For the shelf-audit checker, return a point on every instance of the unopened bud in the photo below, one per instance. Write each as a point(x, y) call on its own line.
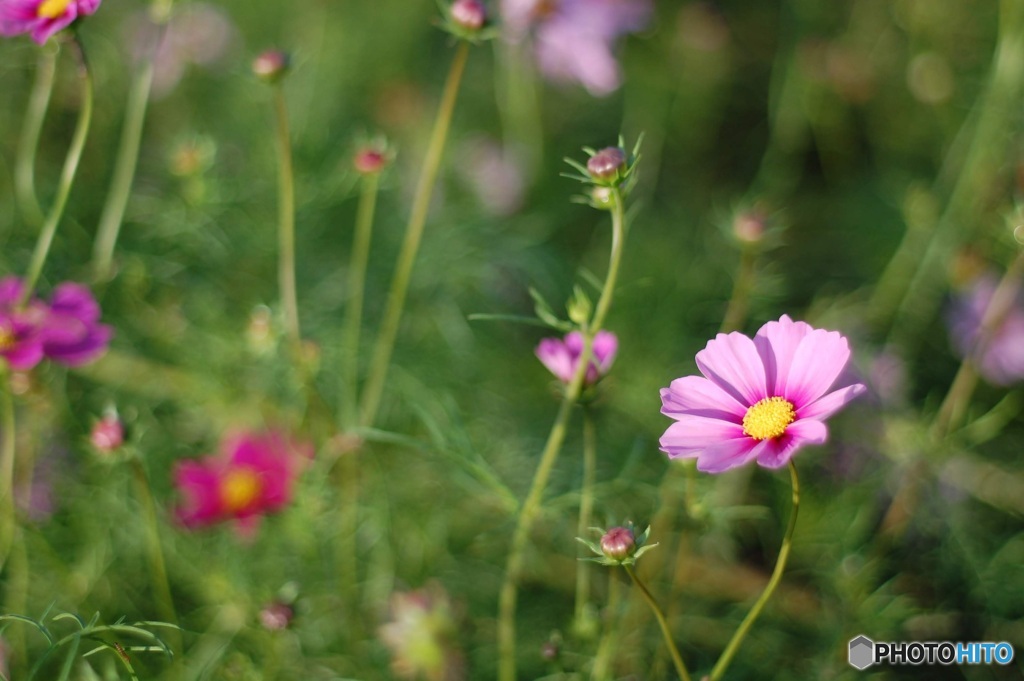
point(469, 15)
point(369, 160)
point(107, 434)
point(618, 543)
point(607, 163)
point(271, 66)
point(276, 616)
point(749, 227)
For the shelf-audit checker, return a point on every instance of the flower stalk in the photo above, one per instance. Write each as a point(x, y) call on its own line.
point(7, 450)
point(586, 511)
point(531, 506)
point(286, 223)
point(780, 566)
point(67, 176)
point(666, 632)
point(28, 144)
point(374, 389)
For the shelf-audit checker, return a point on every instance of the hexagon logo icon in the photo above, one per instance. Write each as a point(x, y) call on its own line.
point(862, 652)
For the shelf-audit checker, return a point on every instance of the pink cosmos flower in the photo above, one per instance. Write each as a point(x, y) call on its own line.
point(21, 338)
point(1001, 358)
point(759, 399)
point(561, 357)
point(252, 476)
point(41, 18)
point(574, 39)
point(71, 332)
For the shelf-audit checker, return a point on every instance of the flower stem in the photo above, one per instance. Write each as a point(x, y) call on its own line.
point(7, 450)
point(374, 388)
point(531, 506)
point(67, 175)
point(677, 659)
point(354, 310)
point(112, 216)
point(736, 311)
point(28, 144)
point(586, 509)
point(286, 224)
point(773, 582)
point(601, 669)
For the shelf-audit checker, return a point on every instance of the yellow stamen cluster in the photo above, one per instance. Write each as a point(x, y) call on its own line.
point(768, 418)
point(6, 339)
point(51, 9)
point(239, 488)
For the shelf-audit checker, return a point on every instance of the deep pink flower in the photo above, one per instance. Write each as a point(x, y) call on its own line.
point(21, 338)
point(41, 18)
point(575, 38)
point(252, 476)
point(758, 400)
point(72, 334)
point(1001, 358)
point(561, 357)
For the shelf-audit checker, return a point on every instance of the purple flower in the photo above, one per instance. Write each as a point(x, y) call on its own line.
point(21, 340)
point(561, 357)
point(72, 334)
point(759, 399)
point(574, 39)
point(1000, 360)
point(41, 18)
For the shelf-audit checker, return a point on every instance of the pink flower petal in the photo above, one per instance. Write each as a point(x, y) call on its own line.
point(780, 450)
point(733, 363)
point(729, 454)
point(777, 343)
point(817, 362)
point(698, 432)
point(825, 406)
point(700, 396)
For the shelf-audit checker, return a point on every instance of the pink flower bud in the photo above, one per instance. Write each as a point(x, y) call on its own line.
point(469, 14)
point(107, 434)
point(276, 616)
point(618, 543)
point(369, 160)
point(749, 227)
point(271, 65)
point(607, 163)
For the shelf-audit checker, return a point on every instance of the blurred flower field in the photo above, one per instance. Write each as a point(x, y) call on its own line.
point(515, 339)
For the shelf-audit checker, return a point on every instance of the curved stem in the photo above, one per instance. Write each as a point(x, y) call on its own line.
point(677, 659)
point(414, 232)
point(28, 144)
point(780, 567)
point(112, 216)
point(286, 224)
point(586, 509)
point(67, 176)
point(531, 506)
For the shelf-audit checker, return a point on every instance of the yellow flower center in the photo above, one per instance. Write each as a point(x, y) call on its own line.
point(6, 339)
point(239, 489)
point(51, 9)
point(768, 418)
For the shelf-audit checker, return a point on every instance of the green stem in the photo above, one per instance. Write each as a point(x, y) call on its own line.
point(67, 175)
point(7, 450)
point(356, 287)
point(531, 506)
point(374, 389)
point(736, 311)
point(112, 216)
point(586, 509)
point(780, 567)
point(28, 144)
point(677, 659)
point(348, 526)
point(286, 224)
point(601, 670)
point(157, 566)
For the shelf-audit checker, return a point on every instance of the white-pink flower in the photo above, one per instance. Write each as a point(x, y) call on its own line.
point(759, 399)
point(561, 357)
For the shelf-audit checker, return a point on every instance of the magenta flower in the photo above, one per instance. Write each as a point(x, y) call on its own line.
point(1000, 360)
point(41, 18)
point(72, 334)
point(252, 476)
point(21, 338)
point(758, 400)
point(561, 357)
point(575, 39)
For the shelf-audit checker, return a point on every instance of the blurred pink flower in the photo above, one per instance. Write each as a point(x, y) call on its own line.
point(253, 475)
point(759, 399)
point(421, 636)
point(1000, 360)
point(574, 39)
point(561, 357)
point(21, 337)
point(71, 332)
point(41, 18)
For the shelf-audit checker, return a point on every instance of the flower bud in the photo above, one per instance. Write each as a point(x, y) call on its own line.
point(369, 160)
point(618, 543)
point(468, 15)
point(107, 434)
point(276, 616)
point(749, 227)
point(271, 66)
point(607, 163)
point(550, 650)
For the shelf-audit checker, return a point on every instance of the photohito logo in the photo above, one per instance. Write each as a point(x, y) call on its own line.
point(864, 652)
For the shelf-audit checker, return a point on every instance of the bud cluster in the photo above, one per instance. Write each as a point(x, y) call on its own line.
point(618, 545)
point(609, 172)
